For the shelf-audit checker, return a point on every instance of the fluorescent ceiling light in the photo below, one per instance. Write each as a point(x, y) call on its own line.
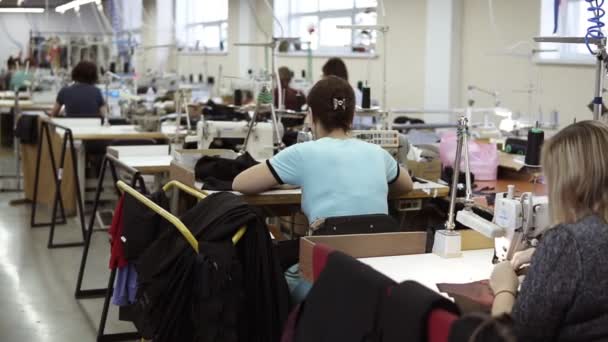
point(75, 5)
point(21, 10)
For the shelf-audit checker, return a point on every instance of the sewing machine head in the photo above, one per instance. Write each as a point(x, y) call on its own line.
point(523, 219)
point(518, 222)
point(232, 135)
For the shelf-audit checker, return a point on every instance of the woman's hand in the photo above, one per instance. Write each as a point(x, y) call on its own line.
point(521, 258)
point(504, 278)
point(504, 283)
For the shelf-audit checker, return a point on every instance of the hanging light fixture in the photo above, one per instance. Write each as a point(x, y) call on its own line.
point(75, 5)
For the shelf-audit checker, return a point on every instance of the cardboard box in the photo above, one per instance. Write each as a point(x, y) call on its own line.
point(429, 170)
point(362, 246)
point(380, 245)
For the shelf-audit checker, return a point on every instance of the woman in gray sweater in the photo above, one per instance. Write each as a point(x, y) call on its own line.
point(564, 296)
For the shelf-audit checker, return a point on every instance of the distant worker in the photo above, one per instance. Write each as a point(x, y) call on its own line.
point(82, 99)
point(336, 67)
point(293, 99)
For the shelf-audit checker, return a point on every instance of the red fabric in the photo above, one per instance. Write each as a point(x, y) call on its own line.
point(320, 253)
point(289, 332)
point(117, 254)
point(440, 322)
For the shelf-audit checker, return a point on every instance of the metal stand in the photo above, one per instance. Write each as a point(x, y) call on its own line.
point(106, 292)
point(17, 176)
point(462, 143)
point(68, 142)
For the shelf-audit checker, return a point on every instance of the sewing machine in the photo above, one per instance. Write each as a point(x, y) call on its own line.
point(517, 223)
point(232, 135)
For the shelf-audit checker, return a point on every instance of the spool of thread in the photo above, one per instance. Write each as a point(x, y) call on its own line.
point(536, 137)
point(191, 78)
point(238, 97)
point(366, 101)
point(360, 85)
point(200, 78)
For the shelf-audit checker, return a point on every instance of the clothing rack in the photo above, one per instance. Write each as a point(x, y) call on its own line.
point(67, 142)
point(136, 179)
point(177, 223)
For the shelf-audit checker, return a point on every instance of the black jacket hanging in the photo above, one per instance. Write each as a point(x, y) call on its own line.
point(180, 290)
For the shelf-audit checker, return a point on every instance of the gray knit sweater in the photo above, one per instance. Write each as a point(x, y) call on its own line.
point(565, 295)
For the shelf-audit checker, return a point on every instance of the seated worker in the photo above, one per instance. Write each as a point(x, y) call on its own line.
point(293, 99)
point(564, 296)
point(339, 175)
point(336, 67)
point(82, 99)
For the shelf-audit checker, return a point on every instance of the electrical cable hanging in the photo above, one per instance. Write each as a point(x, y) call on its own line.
point(275, 17)
point(595, 29)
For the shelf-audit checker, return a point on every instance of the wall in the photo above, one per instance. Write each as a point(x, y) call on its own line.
point(405, 62)
point(405, 81)
point(567, 89)
point(18, 27)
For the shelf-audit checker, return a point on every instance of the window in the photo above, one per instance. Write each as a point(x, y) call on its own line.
point(573, 22)
point(316, 21)
point(202, 25)
point(127, 20)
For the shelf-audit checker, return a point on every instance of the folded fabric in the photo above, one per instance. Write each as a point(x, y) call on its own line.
point(218, 173)
point(478, 292)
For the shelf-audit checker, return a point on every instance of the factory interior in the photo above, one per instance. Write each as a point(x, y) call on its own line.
point(303, 170)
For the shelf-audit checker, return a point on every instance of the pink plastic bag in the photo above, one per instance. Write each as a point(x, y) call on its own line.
point(483, 158)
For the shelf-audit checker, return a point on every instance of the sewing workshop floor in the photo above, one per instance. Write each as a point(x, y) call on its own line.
point(37, 284)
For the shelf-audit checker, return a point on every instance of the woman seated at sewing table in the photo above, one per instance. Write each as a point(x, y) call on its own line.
point(82, 99)
point(339, 175)
point(565, 294)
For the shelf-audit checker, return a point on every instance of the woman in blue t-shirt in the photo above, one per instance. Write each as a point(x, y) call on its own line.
point(82, 99)
point(339, 175)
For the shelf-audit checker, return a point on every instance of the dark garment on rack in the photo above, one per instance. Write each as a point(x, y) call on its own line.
point(218, 173)
point(405, 315)
point(344, 303)
point(27, 129)
point(141, 225)
point(168, 302)
point(81, 100)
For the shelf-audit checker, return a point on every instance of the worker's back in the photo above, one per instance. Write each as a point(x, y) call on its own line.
point(339, 177)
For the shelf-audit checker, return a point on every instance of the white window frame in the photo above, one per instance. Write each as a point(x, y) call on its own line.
point(202, 49)
point(569, 26)
point(324, 51)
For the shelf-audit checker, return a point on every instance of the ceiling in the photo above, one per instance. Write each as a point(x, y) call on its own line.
point(33, 3)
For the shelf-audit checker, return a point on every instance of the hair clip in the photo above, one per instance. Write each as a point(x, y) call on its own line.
point(339, 103)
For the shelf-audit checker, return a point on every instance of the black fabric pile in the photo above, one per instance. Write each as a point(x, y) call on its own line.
point(27, 129)
point(218, 173)
point(223, 293)
point(219, 112)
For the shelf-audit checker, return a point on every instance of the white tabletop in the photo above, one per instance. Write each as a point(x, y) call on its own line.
point(430, 269)
point(139, 150)
point(147, 161)
point(142, 156)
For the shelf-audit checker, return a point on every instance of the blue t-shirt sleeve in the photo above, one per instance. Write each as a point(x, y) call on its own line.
point(286, 165)
point(391, 166)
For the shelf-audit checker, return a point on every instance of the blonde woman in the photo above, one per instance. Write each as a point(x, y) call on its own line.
point(565, 294)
